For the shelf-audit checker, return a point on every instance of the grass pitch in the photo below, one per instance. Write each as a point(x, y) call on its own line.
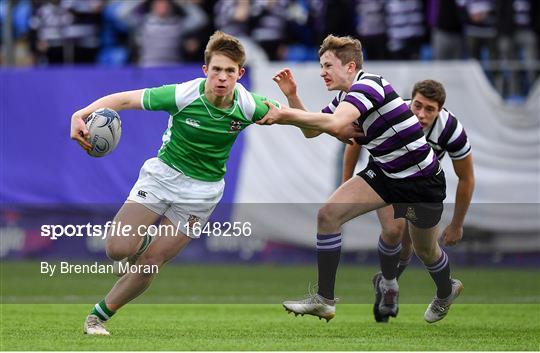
point(498, 310)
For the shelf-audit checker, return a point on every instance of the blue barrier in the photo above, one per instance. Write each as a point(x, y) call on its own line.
point(41, 165)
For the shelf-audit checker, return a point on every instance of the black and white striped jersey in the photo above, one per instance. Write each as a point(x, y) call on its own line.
point(393, 135)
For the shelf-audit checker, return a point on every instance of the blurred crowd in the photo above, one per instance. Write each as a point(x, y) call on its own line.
point(166, 32)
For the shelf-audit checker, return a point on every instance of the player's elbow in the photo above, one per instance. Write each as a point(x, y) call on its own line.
point(129, 99)
point(336, 129)
point(470, 182)
point(310, 133)
point(467, 179)
point(466, 183)
point(332, 129)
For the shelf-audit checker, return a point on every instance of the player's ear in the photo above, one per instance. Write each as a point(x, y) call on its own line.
point(241, 72)
point(352, 66)
point(205, 70)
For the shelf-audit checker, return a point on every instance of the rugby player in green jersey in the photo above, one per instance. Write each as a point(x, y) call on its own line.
point(183, 184)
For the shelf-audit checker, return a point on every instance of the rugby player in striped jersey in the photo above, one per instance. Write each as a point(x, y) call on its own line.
point(403, 172)
point(445, 134)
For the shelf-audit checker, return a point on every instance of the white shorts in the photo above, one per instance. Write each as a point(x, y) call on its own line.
point(182, 199)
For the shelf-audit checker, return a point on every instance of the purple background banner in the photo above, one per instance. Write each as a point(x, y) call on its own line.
point(40, 164)
point(45, 178)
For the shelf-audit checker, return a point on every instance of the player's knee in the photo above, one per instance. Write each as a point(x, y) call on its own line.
point(427, 254)
point(116, 251)
point(393, 234)
point(327, 217)
point(151, 260)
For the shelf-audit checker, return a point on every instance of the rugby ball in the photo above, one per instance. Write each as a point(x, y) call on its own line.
point(104, 127)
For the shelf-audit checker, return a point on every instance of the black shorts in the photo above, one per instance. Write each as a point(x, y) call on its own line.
point(419, 200)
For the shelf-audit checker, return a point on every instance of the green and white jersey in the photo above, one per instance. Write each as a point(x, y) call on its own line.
point(200, 136)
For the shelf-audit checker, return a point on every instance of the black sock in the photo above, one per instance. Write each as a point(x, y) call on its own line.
point(389, 259)
point(328, 253)
point(440, 272)
point(403, 263)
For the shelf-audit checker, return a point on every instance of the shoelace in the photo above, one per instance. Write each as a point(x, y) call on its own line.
point(390, 296)
point(94, 321)
point(440, 305)
point(313, 297)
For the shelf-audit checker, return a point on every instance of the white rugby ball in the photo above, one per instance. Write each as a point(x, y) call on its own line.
point(105, 128)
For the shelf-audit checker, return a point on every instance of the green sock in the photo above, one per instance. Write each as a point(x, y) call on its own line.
point(101, 311)
point(145, 243)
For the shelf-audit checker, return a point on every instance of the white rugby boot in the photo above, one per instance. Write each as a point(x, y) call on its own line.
point(94, 326)
point(314, 304)
point(438, 308)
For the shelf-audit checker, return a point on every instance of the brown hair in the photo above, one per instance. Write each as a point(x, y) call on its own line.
point(430, 89)
point(225, 44)
point(346, 49)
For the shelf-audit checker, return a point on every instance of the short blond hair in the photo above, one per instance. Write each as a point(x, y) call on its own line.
point(225, 44)
point(346, 49)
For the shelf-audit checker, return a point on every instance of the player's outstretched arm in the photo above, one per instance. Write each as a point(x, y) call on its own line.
point(339, 124)
point(286, 83)
point(350, 158)
point(117, 101)
point(464, 170)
